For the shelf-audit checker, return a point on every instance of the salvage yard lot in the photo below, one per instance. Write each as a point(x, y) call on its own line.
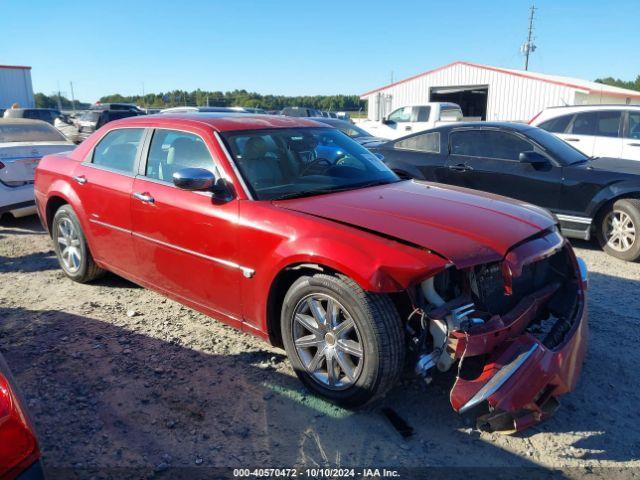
point(117, 376)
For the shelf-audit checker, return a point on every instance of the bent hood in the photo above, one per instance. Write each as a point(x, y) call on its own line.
point(465, 226)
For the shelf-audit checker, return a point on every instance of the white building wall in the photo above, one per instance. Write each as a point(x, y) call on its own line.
point(510, 97)
point(15, 87)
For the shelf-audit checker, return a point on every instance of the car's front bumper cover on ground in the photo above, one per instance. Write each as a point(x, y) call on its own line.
point(521, 377)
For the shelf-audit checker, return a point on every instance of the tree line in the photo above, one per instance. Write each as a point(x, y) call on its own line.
point(616, 82)
point(235, 98)
point(242, 98)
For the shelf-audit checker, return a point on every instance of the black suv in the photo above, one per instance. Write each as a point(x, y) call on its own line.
point(590, 196)
point(45, 114)
point(92, 120)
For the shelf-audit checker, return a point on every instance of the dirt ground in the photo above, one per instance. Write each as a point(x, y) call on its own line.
point(116, 376)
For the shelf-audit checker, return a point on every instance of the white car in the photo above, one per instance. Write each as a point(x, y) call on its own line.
point(22, 144)
point(595, 130)
point(411, 119)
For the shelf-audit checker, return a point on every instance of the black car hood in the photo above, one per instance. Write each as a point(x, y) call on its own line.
point(617, 165)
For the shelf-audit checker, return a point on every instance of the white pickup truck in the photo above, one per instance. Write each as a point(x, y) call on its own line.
point(411, 119)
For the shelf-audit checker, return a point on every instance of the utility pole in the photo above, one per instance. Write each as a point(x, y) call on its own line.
point(528, 47)
point(59, 101)
point(73, 101)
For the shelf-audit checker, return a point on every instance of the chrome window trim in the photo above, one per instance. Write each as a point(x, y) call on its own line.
point(234, 167)
point(88, 159)
point(246, 271)
point(145, 159)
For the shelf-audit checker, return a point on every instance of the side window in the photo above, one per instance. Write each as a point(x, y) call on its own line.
point(423, 114)
point(427, 142)
point(608, 124)
point(633, 128)
point(468, 143)
point(585, 123)
point(401, 115)
point(117, 150)
point(556, 125)
point(172, 150)
point(506, 146)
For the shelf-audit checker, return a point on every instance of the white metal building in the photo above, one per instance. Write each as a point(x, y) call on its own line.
point(15, 86)
point(492, 93)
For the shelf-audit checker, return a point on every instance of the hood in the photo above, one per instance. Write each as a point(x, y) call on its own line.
point(464, 226)
point(617, 165)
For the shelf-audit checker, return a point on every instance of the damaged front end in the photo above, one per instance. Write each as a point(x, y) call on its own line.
point(516, 329)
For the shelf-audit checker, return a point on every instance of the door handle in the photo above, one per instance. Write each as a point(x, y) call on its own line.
point(572, 139)
point(634, 144)
point(143, 197)
point(460, 167)
point(81, 179)
point(407, 128)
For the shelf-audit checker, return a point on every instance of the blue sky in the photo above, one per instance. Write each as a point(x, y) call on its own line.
point(302, 47)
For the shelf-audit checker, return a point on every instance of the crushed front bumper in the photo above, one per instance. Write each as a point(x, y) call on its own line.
point(521, 378)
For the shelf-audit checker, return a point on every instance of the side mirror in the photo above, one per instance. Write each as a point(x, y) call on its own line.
point(194, 179)
point(385, 120)
point(533, 158)
point(200, 179)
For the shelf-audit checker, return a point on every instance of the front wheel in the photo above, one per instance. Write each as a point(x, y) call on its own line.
point(618, 230)
point(344, 344)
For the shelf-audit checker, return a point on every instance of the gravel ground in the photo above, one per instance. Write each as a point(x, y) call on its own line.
point(116, 376)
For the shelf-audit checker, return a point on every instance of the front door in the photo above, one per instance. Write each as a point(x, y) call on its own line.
point(631, 136)
point(581, 132)
point(185, 241)
point(488, 160)
point(103, 183)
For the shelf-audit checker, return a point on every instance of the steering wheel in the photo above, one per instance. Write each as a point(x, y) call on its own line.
point(313, 163)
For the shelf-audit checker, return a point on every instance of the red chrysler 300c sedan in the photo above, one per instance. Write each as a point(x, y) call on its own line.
point(288, 229)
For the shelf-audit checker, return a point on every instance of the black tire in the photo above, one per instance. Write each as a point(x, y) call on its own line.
point(630, 207)
point(87, 269)
point(379, 329)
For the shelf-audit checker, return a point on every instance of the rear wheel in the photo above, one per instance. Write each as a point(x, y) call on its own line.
point(344, 343)
point(618, 230)
point(71, 247)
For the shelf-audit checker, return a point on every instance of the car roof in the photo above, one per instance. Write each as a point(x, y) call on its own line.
point(22, 121)
point(220, 122)
point(331, 121)
point(606, 106)
point(521, 127)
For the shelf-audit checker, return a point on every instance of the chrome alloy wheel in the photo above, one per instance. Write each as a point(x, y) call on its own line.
point(327, 341)
point(69, 245)
point(620, 231)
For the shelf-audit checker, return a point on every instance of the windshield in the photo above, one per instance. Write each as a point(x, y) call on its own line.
point(31, 132)
point(90, 116)
point(561, 150)
point(298, 162)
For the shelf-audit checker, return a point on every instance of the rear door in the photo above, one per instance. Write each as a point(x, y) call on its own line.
point(581, 132)
point(488, 160)
point(418, 156)
point(104, 182)
point(185, 241)
point(631, 136)
point(608, 135)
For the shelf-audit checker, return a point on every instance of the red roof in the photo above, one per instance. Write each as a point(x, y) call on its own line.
point(221, 122)
point(15, 67)
point(516, 73)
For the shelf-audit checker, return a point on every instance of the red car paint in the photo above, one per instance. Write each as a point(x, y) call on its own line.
point(223, 260)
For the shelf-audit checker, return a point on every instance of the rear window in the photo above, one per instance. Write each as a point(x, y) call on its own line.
point(557, 125)
point(29, 133)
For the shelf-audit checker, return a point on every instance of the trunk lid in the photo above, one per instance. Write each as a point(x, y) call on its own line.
point(20, 159)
